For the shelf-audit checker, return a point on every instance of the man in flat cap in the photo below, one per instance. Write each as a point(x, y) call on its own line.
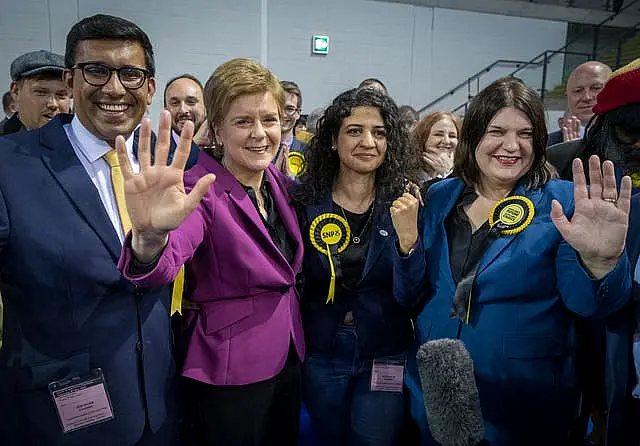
point(38, 89)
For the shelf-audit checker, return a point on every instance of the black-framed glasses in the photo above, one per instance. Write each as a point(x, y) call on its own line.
point(98, 74)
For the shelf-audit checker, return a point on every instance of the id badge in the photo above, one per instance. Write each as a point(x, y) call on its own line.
point(387, 376)
point(636, 362)
point(81, 401)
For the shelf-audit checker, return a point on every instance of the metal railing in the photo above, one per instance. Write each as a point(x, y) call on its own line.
point(474, 80)
point(541, 60)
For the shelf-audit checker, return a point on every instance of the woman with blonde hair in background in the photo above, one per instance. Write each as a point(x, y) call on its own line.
point(436, 136)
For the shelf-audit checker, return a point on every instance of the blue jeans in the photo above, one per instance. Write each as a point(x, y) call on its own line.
point(341, 405)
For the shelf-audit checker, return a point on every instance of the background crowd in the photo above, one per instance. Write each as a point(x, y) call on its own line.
point(209, 282)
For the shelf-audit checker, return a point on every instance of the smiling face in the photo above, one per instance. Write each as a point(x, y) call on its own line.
point(505, 153)
point(291, 112)
point(583, 87)
point(250, 134)
point(442, 137)
point(40, 99)
point(112, 109)
point(362, 141)
point(184, 101)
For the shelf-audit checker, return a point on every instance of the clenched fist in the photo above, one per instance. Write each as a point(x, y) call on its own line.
point(404, 214)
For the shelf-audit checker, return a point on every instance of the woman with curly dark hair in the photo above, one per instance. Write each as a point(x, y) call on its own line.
point(358, 335)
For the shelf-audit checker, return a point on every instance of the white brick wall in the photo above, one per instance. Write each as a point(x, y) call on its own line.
point(419, 52)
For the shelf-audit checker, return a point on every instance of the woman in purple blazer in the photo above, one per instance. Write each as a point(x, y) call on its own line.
point(239, 238)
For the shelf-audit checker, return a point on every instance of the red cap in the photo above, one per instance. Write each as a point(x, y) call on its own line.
point(622, 88)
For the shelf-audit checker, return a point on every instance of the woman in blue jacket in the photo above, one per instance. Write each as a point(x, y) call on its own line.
point(505, 269)
point(357, 334)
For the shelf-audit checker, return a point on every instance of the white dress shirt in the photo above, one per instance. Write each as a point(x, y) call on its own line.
point(90, 149)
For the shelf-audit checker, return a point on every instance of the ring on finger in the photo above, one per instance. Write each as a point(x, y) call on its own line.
point(611, 200)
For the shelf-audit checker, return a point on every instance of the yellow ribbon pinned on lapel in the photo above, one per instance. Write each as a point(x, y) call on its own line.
point(176, 295)
point(330, 235)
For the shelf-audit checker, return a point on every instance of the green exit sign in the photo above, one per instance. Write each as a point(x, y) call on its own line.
point(320, 45)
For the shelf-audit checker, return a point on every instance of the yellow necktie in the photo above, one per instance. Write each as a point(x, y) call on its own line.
point(117, 181)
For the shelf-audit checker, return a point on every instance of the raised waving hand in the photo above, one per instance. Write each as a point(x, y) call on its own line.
point(156, 197)
point(598, 227)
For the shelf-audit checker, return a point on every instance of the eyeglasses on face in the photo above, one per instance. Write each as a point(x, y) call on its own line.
point(98, 74)
point(290, 110)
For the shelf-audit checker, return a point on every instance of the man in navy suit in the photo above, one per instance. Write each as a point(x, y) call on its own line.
point(86, 356)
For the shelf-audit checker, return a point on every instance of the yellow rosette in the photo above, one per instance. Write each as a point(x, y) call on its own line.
point(296, 163)
point(511, 215)
point(330, 235)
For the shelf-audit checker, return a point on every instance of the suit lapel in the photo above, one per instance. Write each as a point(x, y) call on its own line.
point(445, 208)
point(287, 214)
point(382, 235)
point(499, 245)
point(238, 196)
point(66, 168)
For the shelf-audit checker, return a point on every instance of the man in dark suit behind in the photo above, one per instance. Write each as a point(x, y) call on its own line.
point(70, 318)
point(583, 85)
point(290, 156)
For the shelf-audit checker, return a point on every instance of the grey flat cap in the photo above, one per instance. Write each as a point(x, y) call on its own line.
point(36, 62)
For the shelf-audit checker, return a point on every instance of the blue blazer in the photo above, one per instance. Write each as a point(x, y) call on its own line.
point(67, 309)
point(619, 371)
point(521, 336)
point(384, 326)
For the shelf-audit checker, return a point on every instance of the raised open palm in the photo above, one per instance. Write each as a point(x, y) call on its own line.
point(156, 198)
point(598, 228)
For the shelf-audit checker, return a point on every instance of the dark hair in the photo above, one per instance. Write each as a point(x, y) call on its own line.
point(107, 27)
point(610, 136)
point(312, 119)
point(293, 88)
point(504, 92)
point(191, 77)
point(408, 114)
point(372, 80)
point(323, 164)
point(7, 100)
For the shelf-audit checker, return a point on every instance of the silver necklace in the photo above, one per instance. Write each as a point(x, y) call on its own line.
point(356, 239)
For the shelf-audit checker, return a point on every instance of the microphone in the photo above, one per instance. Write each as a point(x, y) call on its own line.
point(450, 393)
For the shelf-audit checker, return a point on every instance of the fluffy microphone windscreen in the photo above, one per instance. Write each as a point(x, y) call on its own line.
point(450, 393)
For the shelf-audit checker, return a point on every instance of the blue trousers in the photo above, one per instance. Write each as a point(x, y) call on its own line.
point(344, 411)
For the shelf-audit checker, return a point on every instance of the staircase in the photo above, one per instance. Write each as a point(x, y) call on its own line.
point(627, 51)
point(551, 64)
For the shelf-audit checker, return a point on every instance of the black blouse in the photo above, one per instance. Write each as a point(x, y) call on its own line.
point(353, 258)
point(278, 232)
point(465, 246)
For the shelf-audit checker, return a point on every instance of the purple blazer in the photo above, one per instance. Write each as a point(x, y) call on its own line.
point(249, 310)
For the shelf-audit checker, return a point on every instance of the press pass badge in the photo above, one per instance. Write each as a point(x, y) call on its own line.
point(330, 235)
point(81, 401)
point(387, 376)
point(296, 163)
point(510, 216)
